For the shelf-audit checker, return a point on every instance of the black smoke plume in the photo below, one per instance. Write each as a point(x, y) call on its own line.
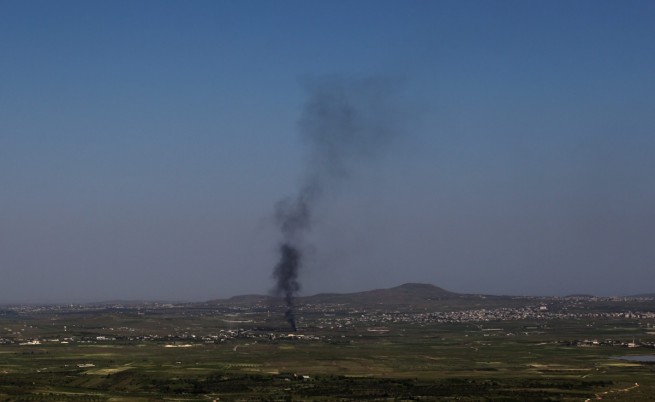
point(343, 122)
point(286, 272)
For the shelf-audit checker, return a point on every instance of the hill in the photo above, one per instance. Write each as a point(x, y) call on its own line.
point(407, 296)
point(409, 293)
point(245, 300)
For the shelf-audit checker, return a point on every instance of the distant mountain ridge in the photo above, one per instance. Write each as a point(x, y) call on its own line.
point(408, 293)
point(644, 295)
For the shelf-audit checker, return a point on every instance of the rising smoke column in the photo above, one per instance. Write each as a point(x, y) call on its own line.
point(344, 122)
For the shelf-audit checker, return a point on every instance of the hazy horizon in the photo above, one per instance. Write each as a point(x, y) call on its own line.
point(145, 145)
point(272, 294)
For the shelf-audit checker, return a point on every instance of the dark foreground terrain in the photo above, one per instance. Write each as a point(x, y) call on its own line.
point(414, 342)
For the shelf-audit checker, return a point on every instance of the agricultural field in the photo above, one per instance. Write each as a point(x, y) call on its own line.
point(529, 350)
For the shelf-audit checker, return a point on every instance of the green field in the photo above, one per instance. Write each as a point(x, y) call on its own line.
point(201, 353)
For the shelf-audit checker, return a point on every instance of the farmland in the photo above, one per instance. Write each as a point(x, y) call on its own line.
point(446, 349)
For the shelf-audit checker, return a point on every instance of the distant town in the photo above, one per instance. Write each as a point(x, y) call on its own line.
point(318, 321)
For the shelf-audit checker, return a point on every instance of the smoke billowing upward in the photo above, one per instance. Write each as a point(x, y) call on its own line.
point(344, 122)
point(286, 272)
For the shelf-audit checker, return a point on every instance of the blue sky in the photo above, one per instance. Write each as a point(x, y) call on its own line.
point(143, 146)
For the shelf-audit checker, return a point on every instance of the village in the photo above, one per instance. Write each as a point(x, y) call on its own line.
point(317, 322)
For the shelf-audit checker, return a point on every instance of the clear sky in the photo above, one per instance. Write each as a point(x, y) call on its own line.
point(144, 145)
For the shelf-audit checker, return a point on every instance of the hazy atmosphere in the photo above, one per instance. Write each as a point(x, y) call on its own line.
point(161, 149)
